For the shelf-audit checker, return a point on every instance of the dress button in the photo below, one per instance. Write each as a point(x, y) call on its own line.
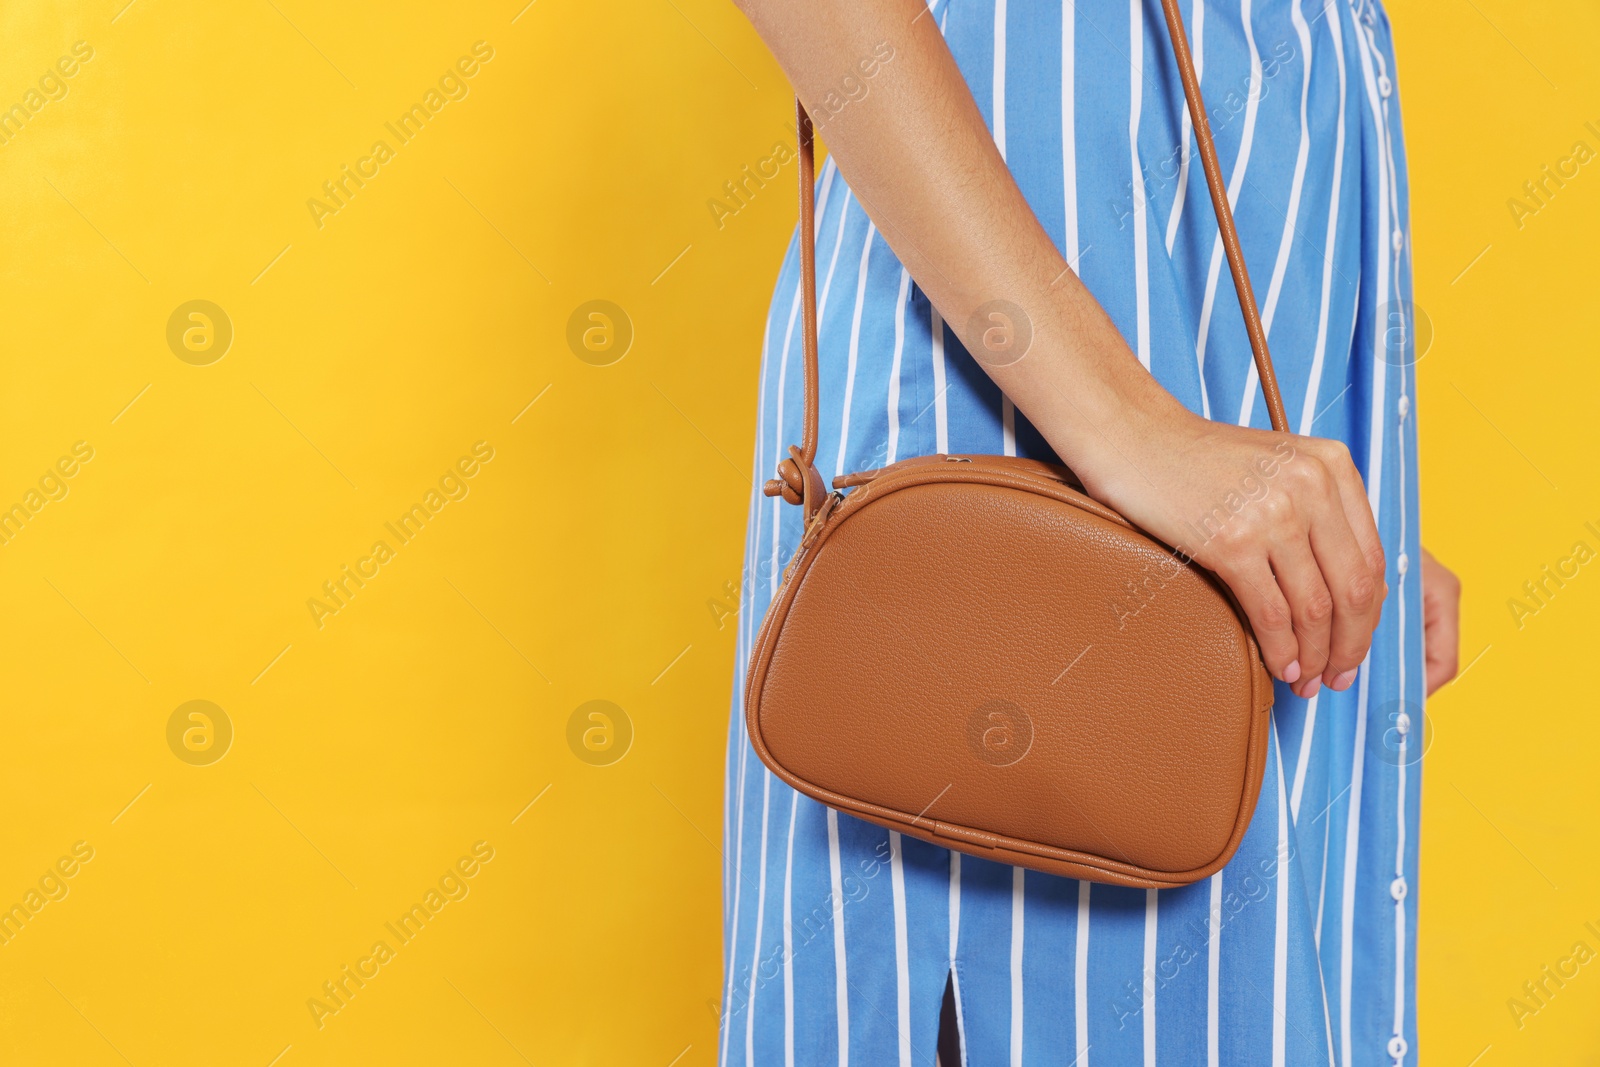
point(1405, 406)
point(1397, 239)
point(1397, 889)
point(1385, 86)
point(1402, 724)
point(1398, 1047)
point(1403, 563)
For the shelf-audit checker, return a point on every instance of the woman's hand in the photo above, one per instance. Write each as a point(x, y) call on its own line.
point(1282, 519)
point(1441, 621)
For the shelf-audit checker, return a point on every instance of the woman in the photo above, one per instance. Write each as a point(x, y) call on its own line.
point(1041, 154)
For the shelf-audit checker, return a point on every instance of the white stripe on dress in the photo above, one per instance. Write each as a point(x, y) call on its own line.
point(1149, 977)
point(1330, 241)
point(893, 446)
point(955, 939)
point(1322, 882)
point(1069, 135)
point(1379, 364)
point(1214, 973)
point(998, 86)
point(855, 350)
point(1008, 410)
point(941, 416)
point(1352, 840)
point(841, 979)
point(788, 936)
point(1017, 927)
point(1080, 977)
point(1070, 248)
point(761, 911)
point(1197, 50)
point(1141, 237)
point(1286, 240)
point(828, 172)
point(1307, 734)
point(1322, 987)
point(902, 951)
point(1280, 939)
point(1235, 180)
point(833, 262)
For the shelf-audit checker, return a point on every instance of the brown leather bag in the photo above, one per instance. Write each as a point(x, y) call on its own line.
point(969, 650)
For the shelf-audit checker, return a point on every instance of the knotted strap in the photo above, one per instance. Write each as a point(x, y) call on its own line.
point(798, 481)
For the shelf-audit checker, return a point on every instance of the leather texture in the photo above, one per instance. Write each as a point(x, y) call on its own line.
point(970, 650)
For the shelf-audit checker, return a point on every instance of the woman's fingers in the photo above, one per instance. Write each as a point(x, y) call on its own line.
point(1441, 615)
point(1311, 606)
point(1354, 593)
point(1308, 571)
point(1253, 584)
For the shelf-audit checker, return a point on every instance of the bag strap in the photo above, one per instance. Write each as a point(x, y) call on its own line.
point(798, 481)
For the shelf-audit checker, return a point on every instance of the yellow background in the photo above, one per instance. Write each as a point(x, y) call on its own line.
point(426, 315)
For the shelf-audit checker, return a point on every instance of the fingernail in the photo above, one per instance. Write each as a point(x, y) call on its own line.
point(1310, 689)
point(1342, 682)
point(1291, 673)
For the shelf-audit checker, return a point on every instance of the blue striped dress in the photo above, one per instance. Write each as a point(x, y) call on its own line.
point(840, 936)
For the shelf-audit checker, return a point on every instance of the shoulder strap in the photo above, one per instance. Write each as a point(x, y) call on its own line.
point(798, 481)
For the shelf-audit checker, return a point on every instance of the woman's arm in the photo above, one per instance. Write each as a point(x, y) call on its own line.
point(1303, 557)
